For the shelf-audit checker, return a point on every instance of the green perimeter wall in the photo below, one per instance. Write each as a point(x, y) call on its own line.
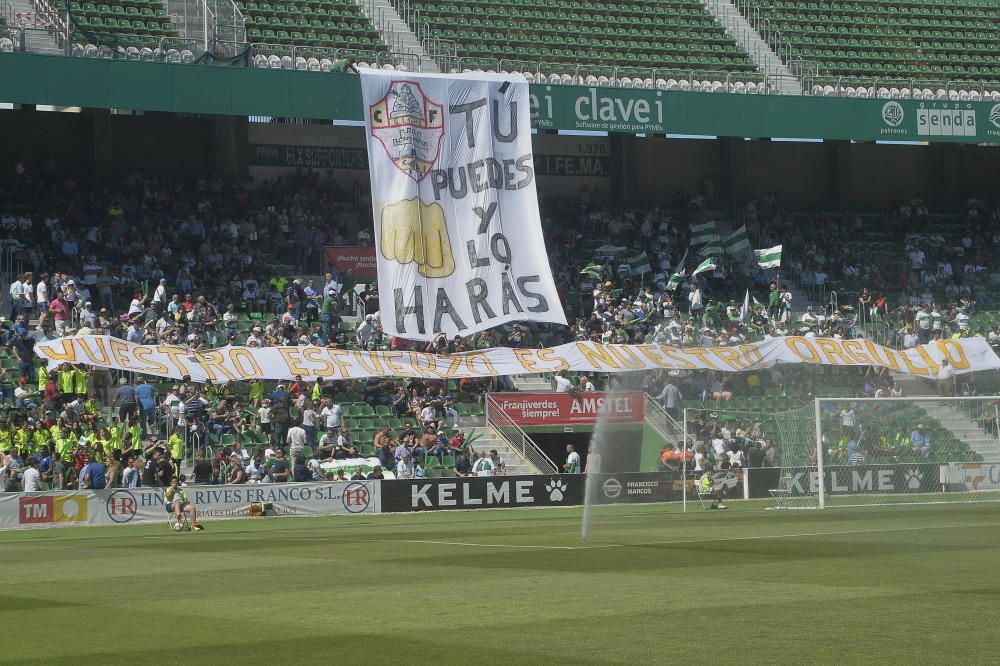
point(115, 84)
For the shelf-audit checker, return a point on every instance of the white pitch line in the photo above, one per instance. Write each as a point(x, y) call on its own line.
point(761, 537)
point(492, 545)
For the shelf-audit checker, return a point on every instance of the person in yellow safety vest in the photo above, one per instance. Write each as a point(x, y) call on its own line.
point(80, 381)
point(175, 500)
point(21, 438)
point(317, 390)
point(43, 378)
point(136, 432)
point(707, 486)
point(256, 392)
point(65, 380)
point(91, 407)
point(115, 430)
point(100, 440)
point(40, 436)
point(64, 447)
point(176, 445)
point(902, 441)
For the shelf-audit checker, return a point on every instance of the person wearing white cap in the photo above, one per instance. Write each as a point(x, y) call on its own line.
point(160, 293)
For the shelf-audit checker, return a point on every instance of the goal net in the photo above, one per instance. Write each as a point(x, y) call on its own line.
point(904, 450)
point(866, 451)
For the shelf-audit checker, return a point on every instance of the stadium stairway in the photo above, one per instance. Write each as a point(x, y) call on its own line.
point(532, 383)
point(396, 33)
point(40, 41)
point(730, 18)
point(960, 424)
point(490, 439)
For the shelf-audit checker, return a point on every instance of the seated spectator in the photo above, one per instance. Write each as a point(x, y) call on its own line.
point(300, 471)
point(345, 446)
point(920, 442)
point(279, 471)
point(463, 466)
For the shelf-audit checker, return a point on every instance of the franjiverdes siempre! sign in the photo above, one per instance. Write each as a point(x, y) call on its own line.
point(571, 408)
point(458, 236)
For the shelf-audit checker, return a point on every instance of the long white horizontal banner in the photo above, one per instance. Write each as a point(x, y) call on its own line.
point(130, 505)
point(241, 363)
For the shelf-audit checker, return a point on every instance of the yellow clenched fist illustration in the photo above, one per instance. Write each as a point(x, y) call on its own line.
point(414, 231)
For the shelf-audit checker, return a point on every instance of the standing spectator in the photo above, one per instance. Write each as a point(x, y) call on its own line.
point(946, 379)
point(145, 395)
point(572, 465)
point(125, 400)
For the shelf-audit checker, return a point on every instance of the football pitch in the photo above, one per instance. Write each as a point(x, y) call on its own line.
point(900, 584)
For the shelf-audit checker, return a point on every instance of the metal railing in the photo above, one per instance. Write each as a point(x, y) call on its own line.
point(516, 438)
point(662, 422)
point(310, 58)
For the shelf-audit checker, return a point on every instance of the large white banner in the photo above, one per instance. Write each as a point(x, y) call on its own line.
point(457, 231)
point(973, 476)
point(133, 505)
point(242, 363)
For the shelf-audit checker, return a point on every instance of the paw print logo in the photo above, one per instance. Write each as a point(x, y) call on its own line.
point(913, 477)
point(556, 490)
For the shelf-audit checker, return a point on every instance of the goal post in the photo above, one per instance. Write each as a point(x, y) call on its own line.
point(921, 449)
point(845, 451)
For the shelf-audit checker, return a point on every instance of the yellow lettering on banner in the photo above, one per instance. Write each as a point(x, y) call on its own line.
point(961, 362)
point(68, 353)
point(548, 355)
point(424, 370)
point(120, 351)
point(293, 360)
point(795, 345)
point(873, 352)
point(649, 351)
point(212, 361)
point(671, 353)
point(931, 363)
point(855, 350)
point(315, 355)
point(627, 357)
point(454, 363)
point(472, 358)
point(375, 368)
point(833, 351)
point(752, 355)
point(730, 357)
point(153, 367)
point(701, 353)
point(597, 356)
point(389, 358)
point(102, 359)
point(174, 355)
point(914, 370)
point(338, 356)
point(523, 357)
point(245, 363)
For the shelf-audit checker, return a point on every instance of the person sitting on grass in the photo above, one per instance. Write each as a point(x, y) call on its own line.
point(176, 501)
point(708, 486)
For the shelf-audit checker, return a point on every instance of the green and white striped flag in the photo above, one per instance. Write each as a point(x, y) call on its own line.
point(640, 264)
point(664, 235)
point(675, 280)
point(737, 241)
point(593, 270)
point(712, 248)
point(769, 258)
point(707, 265)
point(703, 233)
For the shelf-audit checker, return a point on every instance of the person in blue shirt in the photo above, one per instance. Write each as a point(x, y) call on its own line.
point(92, 475)
point(145, 395)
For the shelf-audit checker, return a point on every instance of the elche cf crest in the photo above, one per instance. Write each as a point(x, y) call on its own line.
point(409, 126)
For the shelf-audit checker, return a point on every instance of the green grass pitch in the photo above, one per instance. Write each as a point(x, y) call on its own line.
point(900, 584)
